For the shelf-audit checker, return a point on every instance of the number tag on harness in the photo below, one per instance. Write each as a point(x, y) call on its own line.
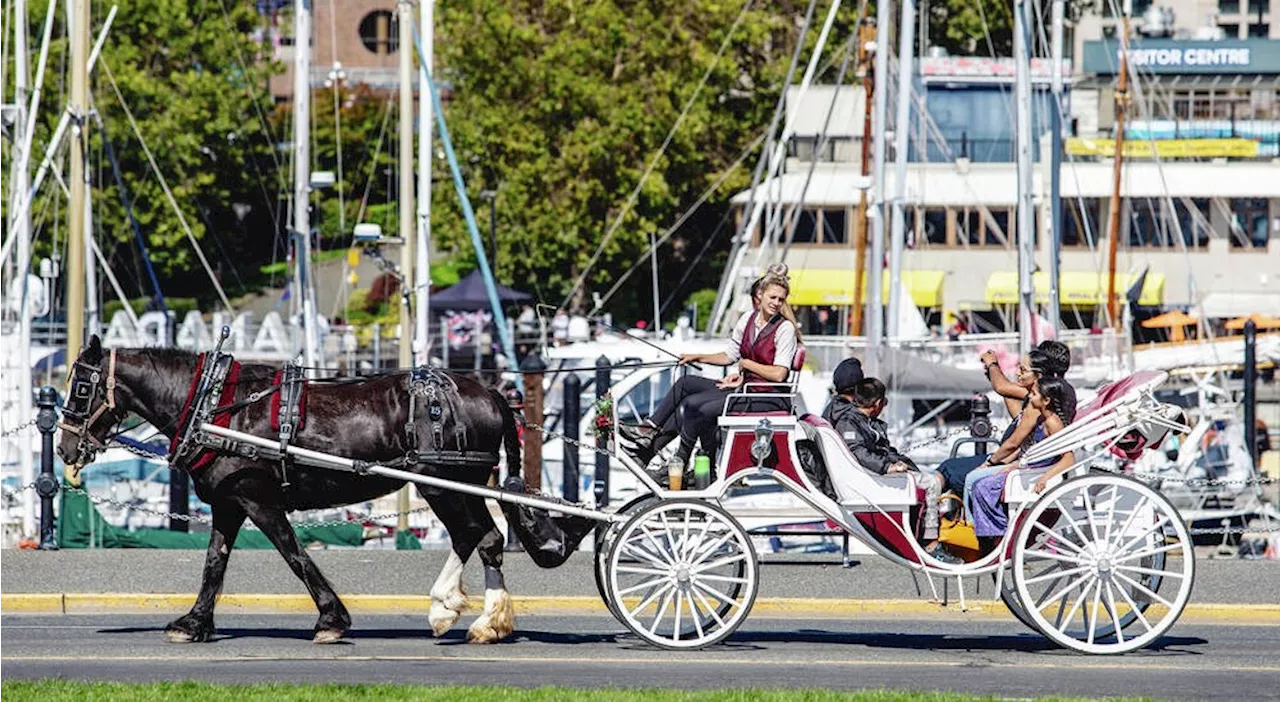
point(435, 411)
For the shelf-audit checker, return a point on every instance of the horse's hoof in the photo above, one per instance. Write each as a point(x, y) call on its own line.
point(328, 636)
point(179, 637)
point(482, 633)
point(441, 619)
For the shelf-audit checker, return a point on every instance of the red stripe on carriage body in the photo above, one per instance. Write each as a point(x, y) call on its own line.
point(740, 456)
point(275, 403)
point(888, 531)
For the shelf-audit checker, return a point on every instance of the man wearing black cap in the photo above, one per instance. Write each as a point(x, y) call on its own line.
point(855, 414)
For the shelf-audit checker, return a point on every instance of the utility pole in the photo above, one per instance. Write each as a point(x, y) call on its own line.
point(1055, 168)
point(866, 46)
point(422, 334)
point(20, 229)
point(408, 233)
point(901, 142)
point(304, 295)
point(78, 181)
point(875, 315)
point(1026, 216)
point(1113, 230)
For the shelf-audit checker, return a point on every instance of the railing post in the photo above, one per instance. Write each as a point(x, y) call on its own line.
point(603, 373)
point(533, 368)
point(572, 419)
point(46, 483)
point(1251, 391)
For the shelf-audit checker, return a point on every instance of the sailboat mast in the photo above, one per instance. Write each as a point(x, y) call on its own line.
point(304, 296)
point(901, 135)
point(1113, 231)
point(407, 228)
point(866, 39)
point(875, 316)
point(1026, 218)
point(422, 332)
point(75, 305)
point(1055, 167)
point(21, 231)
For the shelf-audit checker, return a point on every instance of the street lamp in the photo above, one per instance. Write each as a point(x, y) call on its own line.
point(492, 197)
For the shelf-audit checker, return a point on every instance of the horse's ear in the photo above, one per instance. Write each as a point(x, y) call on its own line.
point(93, 349)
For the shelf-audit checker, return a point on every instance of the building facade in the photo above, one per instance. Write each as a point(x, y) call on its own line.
point(1199, 198)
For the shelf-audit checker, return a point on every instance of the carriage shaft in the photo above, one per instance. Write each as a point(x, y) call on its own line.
point(320, 459)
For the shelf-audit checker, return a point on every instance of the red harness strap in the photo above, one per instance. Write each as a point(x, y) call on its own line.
point(222, 419)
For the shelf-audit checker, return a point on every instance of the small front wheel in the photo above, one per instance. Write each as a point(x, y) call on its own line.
point(682, 574)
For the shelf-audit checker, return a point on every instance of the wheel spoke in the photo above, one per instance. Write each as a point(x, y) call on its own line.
point(1088, 512)
point(648, 600)
point(648, 583)
point(696, 614)
point(1111, 511)
point(1150, 552)
point(1115, 616)
point(693, 544)
point(1084, 594)
point(657, 547)
point(642, 571)
point(714, 592)
point(1145, 532)
point(1063, 574)
point(1059, 538)
point(723, 578)
point(642, 553)
point(1062, 593)
point(1133, 513)
point(706, 603)
point(1066, 514)
point(1145, 590)
point(708, 550)
point(1093, 617)
point(720, 563)
point(662, 611)
point(1151, 571)
point(1054, 556)
point(675, 626)
point(1135, 608)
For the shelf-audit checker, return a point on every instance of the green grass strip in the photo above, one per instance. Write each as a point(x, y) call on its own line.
point(58, 690)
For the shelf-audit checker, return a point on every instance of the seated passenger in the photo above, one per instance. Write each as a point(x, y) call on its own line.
point(763, 346)
point(1052, 402)
point(1051, 360)
point(855, 412)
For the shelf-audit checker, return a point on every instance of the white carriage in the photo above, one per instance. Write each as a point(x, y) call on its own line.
point(1098, 563)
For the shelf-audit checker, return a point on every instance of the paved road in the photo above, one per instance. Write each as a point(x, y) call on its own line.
point(1194, 662)
point(412, 572)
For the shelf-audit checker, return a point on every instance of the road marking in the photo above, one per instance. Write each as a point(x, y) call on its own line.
point(685, 660)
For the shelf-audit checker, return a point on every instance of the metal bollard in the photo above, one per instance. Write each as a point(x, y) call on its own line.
point(1251, 391)
point(603, 372)
point(46, 484)
point(572, 419)
point(533, 367)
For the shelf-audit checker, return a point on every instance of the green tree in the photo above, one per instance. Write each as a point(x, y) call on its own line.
point(194, 74)
point(559, 106)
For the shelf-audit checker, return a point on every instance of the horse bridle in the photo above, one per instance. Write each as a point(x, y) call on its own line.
point(79, 406)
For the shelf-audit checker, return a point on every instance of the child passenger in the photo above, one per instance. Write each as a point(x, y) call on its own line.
point(855, 412)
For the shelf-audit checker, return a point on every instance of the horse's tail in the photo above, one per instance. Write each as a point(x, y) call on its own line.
point(548, 540)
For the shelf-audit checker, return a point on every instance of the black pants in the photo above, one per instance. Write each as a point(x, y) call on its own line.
point(700, 403)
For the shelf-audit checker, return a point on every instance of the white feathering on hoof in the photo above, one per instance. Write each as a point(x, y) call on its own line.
point(175, 636)
point(327, 636)
point(447, 598)
point(497, 621)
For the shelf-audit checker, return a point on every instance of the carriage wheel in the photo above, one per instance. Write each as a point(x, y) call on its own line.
point(606, 534)
point(682, 574)
point(1009, 596)
point(1091, 558)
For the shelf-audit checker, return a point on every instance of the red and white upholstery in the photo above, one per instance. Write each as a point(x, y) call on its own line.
point(859, 489)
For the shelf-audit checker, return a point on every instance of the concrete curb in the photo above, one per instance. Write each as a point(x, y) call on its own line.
point(136, 603)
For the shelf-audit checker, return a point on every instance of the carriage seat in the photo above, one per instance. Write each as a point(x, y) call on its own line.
point(785, 390)
point(859, 489)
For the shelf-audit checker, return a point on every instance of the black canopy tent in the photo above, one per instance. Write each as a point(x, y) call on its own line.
point(469, 294)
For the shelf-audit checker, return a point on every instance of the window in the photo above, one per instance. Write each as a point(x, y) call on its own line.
point(1248, 222)
point(969, 227)
point(379, 32)
point(1080, 221)
point(835, 228)
point(997, 228)
point(1257, 7)
point(1228, 7)
point(1231, 30)
point(1193, 222)
point(1145, 225)
point(1260, 30)
point(805, 230)
point(935, 227)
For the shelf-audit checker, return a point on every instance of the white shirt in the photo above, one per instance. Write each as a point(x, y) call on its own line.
point(784, 341)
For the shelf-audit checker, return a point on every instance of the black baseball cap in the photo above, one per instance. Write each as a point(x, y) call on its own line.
point(847, 374)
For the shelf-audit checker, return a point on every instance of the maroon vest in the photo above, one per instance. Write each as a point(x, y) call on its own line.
point(759, 347)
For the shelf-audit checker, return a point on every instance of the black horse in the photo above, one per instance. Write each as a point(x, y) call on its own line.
point(361, 419)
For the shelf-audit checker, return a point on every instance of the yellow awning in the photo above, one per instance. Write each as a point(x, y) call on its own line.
point(816, 286)
point(1080, 288)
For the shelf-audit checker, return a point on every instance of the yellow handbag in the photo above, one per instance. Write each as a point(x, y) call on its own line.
point(957, 533)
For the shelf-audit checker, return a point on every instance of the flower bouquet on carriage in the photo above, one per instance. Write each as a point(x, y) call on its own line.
point(602, 427)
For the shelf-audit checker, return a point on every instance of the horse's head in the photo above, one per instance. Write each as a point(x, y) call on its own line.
point(90, 409)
